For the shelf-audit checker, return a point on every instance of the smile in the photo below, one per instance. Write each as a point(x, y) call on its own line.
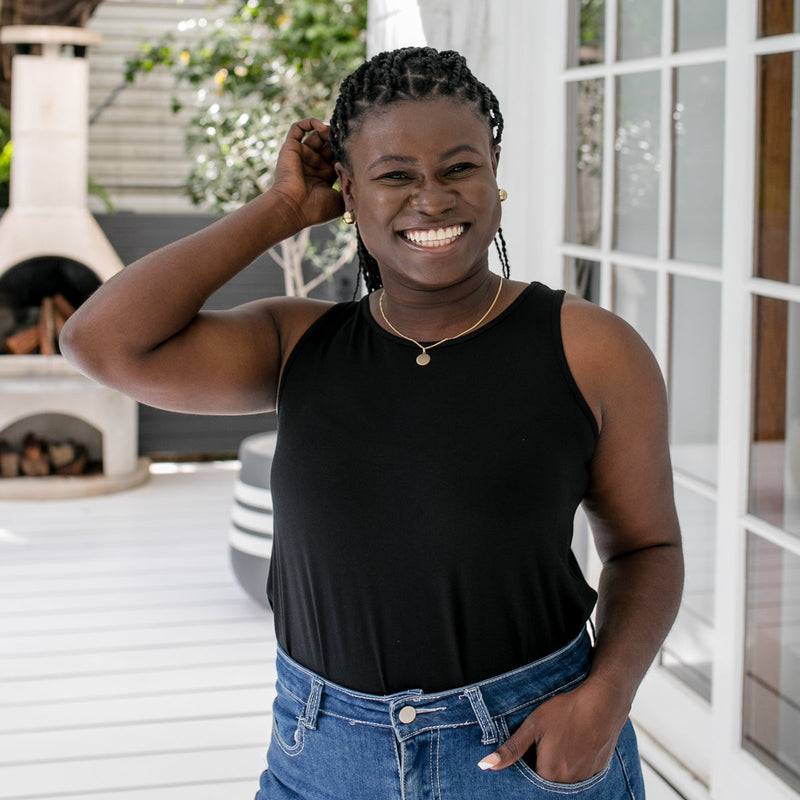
point(436, 237)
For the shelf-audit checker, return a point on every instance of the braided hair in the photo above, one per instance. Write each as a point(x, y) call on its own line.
point(410, 73)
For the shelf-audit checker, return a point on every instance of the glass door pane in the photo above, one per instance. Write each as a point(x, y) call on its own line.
point(638, 167)
point(775, 448)
point(689, 650)
point(700, 24)
point(585, 161)
point(694, 376)
point(699, 145)
point(588, 30)
point(771, 729)
point(582, 278)
point(639, 28)
point(635, 300)
point(778, 213)
point(779, 16)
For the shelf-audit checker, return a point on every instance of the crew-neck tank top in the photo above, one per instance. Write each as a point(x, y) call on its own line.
point(423, 515)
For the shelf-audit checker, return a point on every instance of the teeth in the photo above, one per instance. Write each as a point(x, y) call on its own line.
point(434, 238)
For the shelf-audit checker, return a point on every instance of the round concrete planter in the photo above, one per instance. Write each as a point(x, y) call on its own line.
point(250, 534)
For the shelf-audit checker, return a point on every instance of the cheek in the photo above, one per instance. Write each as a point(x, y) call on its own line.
point(377, 213)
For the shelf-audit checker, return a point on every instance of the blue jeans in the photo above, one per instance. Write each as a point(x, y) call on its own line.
point(329, 743)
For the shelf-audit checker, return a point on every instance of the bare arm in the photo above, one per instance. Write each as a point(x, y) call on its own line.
point(143, 332)
point(632, 513)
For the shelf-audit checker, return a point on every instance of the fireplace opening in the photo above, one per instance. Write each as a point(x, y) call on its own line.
point(36, 297)
point(50, 444)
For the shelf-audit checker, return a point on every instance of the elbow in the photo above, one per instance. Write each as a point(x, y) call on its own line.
point(80, 347)
point(69, 341)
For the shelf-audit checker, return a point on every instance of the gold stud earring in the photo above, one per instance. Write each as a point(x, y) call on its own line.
point(349, 217)
point(503, 194)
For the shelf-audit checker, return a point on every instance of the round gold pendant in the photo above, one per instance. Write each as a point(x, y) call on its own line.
point(423, 359)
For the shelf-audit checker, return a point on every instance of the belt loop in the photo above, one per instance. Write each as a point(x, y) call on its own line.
point(488, 728)
point(309, 718)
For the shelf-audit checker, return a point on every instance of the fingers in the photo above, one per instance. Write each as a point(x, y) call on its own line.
point(312, 133)
point(510, 751)
point(310, 140)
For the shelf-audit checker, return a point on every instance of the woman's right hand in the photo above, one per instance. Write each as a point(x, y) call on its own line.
point(305, 175)
point(143, 332)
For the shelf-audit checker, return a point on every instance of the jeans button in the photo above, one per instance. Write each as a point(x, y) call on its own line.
point(407, 714)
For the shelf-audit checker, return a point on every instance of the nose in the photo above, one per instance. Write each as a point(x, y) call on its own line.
point(431, 198)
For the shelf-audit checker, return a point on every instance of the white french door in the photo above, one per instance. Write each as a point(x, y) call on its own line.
point(681, 213)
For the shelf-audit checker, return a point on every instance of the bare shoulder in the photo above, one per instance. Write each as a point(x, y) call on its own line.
point(610, 362)
point(290, 317)
point(630, 498)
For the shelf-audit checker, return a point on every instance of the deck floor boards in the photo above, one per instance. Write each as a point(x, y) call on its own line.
point(132, 665)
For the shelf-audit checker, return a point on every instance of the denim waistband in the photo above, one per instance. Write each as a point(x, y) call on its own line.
point(413, 712)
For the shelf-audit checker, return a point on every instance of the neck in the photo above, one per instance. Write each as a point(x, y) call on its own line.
point(431, 314)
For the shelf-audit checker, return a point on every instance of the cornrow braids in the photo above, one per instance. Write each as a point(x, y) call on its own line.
point(410, 73)
point(500, 244)
point(367, 267)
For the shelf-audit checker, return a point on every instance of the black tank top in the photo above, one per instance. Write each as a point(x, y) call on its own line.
point(423, 514)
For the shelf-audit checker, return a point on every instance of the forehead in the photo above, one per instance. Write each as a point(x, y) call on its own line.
point(417, 128)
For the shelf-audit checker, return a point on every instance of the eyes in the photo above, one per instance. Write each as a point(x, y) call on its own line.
point(462, 169)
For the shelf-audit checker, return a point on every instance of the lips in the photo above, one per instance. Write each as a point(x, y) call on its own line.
point(434, 237)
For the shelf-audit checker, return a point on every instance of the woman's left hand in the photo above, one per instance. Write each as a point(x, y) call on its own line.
point(568, 738)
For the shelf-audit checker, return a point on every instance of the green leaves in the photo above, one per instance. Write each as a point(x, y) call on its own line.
point(256, 67)
point(5, 161)
point(6, 150)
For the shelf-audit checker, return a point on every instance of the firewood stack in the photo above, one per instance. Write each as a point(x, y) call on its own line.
point(43, 336)
point(39, 457)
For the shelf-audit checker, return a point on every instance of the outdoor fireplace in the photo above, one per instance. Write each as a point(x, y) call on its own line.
point(53, 255)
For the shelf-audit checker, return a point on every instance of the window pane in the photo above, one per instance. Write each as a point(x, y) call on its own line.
point(778, 213)
point(585, 176)
point(699, 119)
point(638, 163)
point(771, 724)
point(639, 28)
point(779, 16)
point(582, 278)
point(700, 24)
point(588, 21)
point(689, 650)
point(694, 376)
point(635, 300)
point(775, 451)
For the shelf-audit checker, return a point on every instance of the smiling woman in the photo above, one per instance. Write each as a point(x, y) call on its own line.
point(425, 198)
point(430, 615)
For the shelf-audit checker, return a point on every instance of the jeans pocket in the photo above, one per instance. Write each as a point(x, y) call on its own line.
point(601, 786)
point(288, 732)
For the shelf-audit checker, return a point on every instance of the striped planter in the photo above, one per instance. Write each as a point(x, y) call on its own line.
point(250, 534)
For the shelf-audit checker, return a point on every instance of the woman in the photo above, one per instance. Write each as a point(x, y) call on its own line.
point(434, 441)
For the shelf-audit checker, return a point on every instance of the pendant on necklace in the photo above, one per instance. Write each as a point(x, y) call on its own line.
point(423, 358)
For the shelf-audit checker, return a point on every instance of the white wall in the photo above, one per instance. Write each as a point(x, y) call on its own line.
point(136, 144)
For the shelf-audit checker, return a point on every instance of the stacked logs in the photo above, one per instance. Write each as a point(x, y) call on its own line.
point(37, 457)
point(43, 336)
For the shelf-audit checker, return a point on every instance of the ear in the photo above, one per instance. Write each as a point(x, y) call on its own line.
point(495, 159)
point(345, 177)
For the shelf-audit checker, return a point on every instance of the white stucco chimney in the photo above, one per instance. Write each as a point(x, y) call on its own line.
point(48, 213)
point(50, 242)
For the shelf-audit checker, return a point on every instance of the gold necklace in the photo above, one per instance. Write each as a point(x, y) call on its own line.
point(423, 358)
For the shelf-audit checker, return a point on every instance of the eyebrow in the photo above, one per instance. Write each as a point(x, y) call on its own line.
point(412, 160)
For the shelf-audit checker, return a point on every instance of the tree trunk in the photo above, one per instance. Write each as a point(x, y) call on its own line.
point(37, 12)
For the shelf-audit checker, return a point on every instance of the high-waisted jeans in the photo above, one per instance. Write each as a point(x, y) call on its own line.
point(329, 743)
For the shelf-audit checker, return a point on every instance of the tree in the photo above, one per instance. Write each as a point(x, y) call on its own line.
point(256, 67)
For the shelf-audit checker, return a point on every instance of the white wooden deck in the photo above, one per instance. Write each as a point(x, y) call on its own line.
point(132, 665)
